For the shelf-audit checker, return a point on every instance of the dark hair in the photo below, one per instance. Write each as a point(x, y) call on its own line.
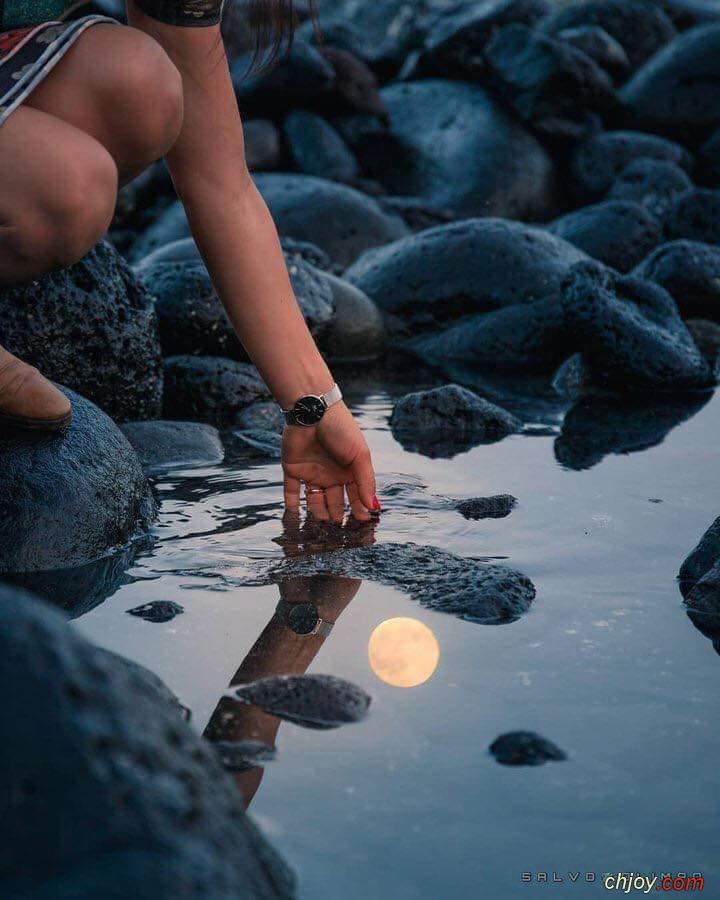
point(273, 23)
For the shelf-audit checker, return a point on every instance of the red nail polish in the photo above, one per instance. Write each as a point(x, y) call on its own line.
point(376, 504)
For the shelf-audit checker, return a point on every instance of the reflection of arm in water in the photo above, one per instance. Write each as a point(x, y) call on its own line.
point(278, 651)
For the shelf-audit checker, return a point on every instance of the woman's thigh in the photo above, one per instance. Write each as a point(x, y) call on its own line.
point(119, 86)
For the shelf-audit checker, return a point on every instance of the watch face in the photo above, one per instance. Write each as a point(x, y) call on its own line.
point(308, 410)
point(302, 618)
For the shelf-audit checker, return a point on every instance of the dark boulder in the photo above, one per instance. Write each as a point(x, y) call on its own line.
point(467, 267)
point(550, 84)
point(705, 595)
point(695, 215)
point(639, 26)
point(93, 328)
point(675, 93)
point(452, 145)
point(652, 183)
point(415, 212)
point(525, 748)
point(630, 333)
point(448, 420)
point(355, 89)
point(86, 732)
point(209, 389)
point(263, 147)
point(702, 558)
point(688, 13)
point(356, 331)
point(163, 444)
point(707, 337)
point(598, 161)
point(497, 507)
point(66, 500)
point(616, 232)
point(690, 272)
point(316, 148)
point(709, 160)
point(438, 580)
point(157, 611)
point(600, 46)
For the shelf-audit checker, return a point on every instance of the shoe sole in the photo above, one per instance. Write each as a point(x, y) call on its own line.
point(27, 423)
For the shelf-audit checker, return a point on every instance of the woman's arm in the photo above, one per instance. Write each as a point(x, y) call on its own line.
point(238, 241)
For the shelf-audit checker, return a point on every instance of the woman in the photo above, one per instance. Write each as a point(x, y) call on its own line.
point(86, 105)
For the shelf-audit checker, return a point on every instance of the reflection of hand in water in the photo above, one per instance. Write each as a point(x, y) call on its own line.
point(303, 619)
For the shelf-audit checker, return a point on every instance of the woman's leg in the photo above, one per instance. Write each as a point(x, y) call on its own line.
point(119, 86)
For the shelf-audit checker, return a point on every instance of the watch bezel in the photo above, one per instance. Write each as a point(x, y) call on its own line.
point(296, 610)
point(300, 415)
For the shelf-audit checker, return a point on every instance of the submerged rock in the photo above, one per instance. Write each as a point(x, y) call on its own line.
point(652, 183)
point(262, 416)
point(630, 333)
point(525, 748)
point(675, 92)
point(471, 590)
point(598, 161)
point(690, 272)
point(66, 500)
point(91, 327)
point(639, 26)
point(454, 146)
point(314, 701)
point(162, 443)
point(158, 611)
point(467, 267)
point(449, 420)
point(153, 812)
point(255, 442)
point(550, 84)
point(210, 389)
point(497, 507)
point(615, 232)
point(695, 215)
point(241, 756)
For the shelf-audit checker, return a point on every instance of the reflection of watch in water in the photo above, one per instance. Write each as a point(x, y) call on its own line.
point(303, 618)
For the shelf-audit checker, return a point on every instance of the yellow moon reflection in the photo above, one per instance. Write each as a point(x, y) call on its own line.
point(403, 652)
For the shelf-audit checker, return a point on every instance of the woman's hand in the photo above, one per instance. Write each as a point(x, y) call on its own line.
point(332, 456)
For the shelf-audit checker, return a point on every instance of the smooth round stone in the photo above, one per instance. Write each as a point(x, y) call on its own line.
point(316, 148)
point(690, 272)
point(695, 215)
point(163, 444)
point(356, 332)
point(652, 183)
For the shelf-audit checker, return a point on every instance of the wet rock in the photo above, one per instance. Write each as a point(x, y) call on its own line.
point(356, 331)
point(307, 252)
point(454, 47)
point(416, 214)
point(702, 558)
point(91, 327)
point(452, 145)
point(449, 420)
point(688, 13)
point(705, 595)
point(256, 442)
point(675, 93)
point(525, 748)
point(471, 590)
point(164, 444)
point(209, 389)
point(339, 220)
point(263, 148)
point(496, 507)
point(158, 611)
point(525, 337)
point(68, 499)
point(153, 812)
point(316, 148)
point(630, 333)
point(549, 83)
point(709, 160)
point(601, 47)
point(639, 26)
point(597, 426)
point(615, 232)
point(654, 184)
point(314, 701)
point(695, 215)
point(690, 272)
point(262, 416)
point(467, 267)
point(598, 161)
point(241, 756)
point(707, 336)
point(192, 318)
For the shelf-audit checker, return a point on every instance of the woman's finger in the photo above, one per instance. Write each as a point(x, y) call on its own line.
point(316, 503)
point(335, 497)
point(358, 508)
point(291, 492)
point(364, 476)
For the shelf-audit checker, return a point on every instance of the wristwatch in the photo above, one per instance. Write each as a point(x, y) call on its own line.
point(308, 410)
point(303, 618)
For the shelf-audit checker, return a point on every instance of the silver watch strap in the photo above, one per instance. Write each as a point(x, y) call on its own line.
point(334, 395)
point(323, 628)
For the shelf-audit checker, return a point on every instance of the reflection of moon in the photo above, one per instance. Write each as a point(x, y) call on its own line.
point(403, 652)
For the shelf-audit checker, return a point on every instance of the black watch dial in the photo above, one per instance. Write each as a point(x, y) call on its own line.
point(308, 410)
point(302, 618)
